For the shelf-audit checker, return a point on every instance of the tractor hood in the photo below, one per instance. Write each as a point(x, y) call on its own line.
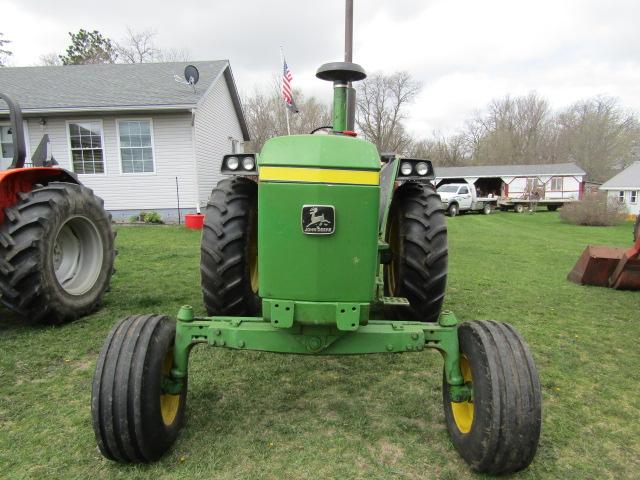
point(320, 151)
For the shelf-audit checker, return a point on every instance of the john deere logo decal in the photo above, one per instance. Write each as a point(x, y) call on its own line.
point(318, 219)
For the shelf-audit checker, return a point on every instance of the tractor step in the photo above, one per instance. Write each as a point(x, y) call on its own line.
point(394, 301)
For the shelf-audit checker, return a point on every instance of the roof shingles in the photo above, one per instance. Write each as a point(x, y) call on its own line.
point(629, 178)
point(105, 86)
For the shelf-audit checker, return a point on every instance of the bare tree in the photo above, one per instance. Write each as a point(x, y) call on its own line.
point(138, 47)
point(381, 109)
point(443, 151)
point(174, 55)
point(4, 53)
point(266, 116)
point(513, 131)
point(598, 135)
point(50, 59)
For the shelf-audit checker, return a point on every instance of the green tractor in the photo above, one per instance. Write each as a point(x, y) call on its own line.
point(319, 246)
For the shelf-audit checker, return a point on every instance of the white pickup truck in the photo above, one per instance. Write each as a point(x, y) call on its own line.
point(462, 197)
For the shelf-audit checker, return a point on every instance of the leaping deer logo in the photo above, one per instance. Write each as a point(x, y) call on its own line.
point(317, 220)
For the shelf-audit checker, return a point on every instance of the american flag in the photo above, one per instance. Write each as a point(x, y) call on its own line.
point(287, 94)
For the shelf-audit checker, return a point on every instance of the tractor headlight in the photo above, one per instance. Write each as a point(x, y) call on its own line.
point(406, 168)
point(245, 164)
point(422, 169)
point(232, 163)
point(248, 163)
point(415, 170)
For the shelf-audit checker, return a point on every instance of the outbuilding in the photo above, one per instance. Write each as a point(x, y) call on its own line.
point(138, 135)
point(625, 188)
point(555, 181)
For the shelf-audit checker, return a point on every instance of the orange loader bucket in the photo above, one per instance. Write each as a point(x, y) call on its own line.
point(604, 266)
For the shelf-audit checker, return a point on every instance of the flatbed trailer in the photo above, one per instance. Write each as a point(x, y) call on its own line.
point(519, 205)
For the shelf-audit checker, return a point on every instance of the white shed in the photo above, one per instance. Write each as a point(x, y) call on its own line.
point(553, 181)
point(140, 139)
point(625, 188)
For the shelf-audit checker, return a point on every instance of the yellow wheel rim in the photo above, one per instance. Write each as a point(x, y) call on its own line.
point(463, 411)
point(253, 255)
point(393, 247)
point(169, 404)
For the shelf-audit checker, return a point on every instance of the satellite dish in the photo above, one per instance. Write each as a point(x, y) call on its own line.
point(191, 74)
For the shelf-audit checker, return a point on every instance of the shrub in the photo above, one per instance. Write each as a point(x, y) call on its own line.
point(594, 209)
point(146, 217)
point(151, 217)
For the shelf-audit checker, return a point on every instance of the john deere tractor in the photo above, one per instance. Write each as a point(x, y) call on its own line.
point(318, 245)
point(56, 240)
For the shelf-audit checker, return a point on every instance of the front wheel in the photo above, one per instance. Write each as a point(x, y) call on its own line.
point(497, 432)
point(134, 420)
point(453, 210)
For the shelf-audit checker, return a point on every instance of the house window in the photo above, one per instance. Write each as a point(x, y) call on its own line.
point(6, 147)
point(85, 140)
point(621, 196)
point(633, 197)
point(136, 148)
point(556, 184)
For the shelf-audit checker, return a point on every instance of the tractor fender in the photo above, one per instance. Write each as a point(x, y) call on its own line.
point(19, 180)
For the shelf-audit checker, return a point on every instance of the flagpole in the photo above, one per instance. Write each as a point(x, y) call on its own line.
point(286, 110)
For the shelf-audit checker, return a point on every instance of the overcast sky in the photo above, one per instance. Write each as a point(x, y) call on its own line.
point(465, 52)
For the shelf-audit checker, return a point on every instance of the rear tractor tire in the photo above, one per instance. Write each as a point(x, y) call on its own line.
point(417, 237)
point(134, 420)
point(56, 253)
point(229, 249)
point(497, 432)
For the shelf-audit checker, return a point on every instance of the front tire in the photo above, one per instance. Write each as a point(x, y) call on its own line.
point(134, 421)
point(229, 249)
point(56, 253)
point(453, 210)
point(497, 432)
point(417, 237)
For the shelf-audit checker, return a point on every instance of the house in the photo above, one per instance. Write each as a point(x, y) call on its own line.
point(551, 181)
point(625, 187)
point(141, 139)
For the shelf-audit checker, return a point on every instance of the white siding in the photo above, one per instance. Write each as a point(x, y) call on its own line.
point(215, 122)
point(173, 152)
point(570, 187)
point(632, 208)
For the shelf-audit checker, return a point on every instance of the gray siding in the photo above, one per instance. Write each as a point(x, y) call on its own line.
point(173, 155)
point(215, 122)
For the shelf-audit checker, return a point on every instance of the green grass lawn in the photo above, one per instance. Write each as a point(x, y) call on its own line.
point(258, 415)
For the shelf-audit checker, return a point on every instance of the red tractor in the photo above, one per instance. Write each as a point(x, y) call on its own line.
point(56, 241)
